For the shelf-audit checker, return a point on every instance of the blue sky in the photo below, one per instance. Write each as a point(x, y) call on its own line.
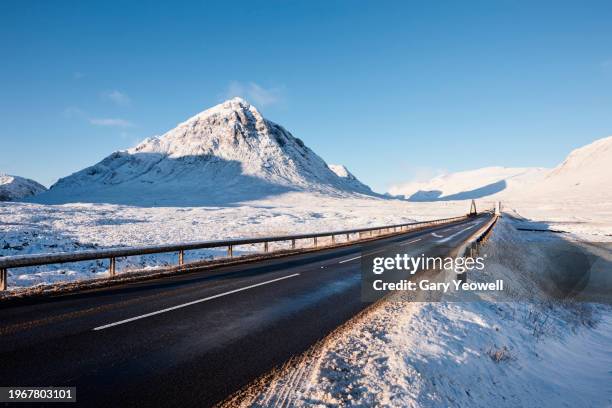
point(393, 90)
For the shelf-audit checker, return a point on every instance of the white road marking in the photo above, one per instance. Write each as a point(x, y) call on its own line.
point(436, 235)
point(456, 233)
point(380, 250)
point(131, 319)
point(413, 241)
point(351, 259)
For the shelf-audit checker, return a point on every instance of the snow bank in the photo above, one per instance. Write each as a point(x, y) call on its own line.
point(541, 353)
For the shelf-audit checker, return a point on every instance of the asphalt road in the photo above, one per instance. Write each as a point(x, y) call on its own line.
point(193, 339)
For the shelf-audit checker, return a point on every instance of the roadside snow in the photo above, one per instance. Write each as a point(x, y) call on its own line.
point(587, 219)
point(537, 353)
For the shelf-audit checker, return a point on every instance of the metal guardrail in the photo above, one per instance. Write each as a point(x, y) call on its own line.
point(21, 261)
point(473, 246)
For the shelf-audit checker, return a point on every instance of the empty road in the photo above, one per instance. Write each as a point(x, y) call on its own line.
point(193, 339)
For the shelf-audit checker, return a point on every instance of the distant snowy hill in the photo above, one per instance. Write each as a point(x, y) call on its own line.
point(584, 174)
point(14, 188)
point(470, 184)
point(228, 153)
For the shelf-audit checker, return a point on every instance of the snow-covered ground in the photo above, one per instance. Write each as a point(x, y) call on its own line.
point(531, 352)
point(34, 228)
point(27, 228)
point(588, 219)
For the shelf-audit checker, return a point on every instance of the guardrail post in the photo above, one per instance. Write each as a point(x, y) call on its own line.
point(348, 238)
point(181, 257)
point(3, 278)
point(333, 239)
point(230, 251)
point(266, 246)
point(111, 267)
point(315, 242)
point(293, 244)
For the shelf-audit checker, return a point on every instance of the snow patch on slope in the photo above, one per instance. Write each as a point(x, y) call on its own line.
point(14, 187)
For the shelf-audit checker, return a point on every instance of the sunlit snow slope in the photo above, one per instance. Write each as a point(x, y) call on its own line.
point(471, 184)
point(586, 173)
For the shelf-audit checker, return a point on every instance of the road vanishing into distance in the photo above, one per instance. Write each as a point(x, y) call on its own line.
point(193, 339)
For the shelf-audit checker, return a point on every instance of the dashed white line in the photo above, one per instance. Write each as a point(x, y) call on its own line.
point(131, 319)
point(455, 234)
point(413, 241)
point(350, 259)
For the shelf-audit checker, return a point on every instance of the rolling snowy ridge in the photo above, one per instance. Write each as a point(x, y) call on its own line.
point(470, 184)
point(584, 175)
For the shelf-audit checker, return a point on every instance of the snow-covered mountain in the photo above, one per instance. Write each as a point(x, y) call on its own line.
point(584, 174)
point(470, 184)
point(342, 172)
point(227, 153)
point(14, 188)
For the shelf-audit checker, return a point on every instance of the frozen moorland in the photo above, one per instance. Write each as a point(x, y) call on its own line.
point(530, 350)
point(27, 228)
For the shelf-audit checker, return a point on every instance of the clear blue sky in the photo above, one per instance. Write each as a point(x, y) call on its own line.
point(393, 90)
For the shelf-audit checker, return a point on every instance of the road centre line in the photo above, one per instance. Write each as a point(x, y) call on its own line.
point(350, 259)
point(131, 319)
point(413, 241)
point(455, 234)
